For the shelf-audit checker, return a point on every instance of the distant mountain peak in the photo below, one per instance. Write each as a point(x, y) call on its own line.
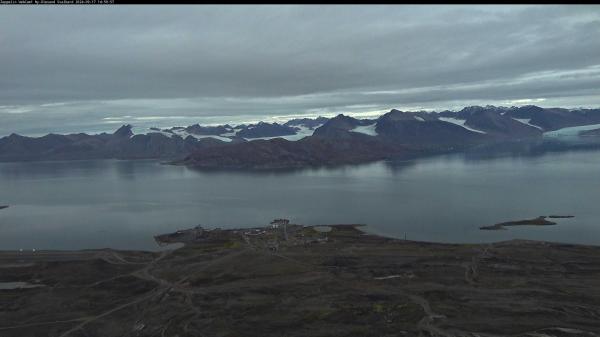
point(124, 131)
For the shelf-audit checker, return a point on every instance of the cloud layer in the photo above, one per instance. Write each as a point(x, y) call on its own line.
point(65, 68)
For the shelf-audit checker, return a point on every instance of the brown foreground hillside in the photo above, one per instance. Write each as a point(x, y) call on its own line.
point(342, 283)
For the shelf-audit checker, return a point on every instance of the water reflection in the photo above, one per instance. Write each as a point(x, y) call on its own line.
point(123, 204)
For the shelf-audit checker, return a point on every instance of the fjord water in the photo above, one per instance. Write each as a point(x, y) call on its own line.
point(122, 204)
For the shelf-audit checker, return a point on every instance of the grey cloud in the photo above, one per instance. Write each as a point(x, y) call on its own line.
point(219, 63)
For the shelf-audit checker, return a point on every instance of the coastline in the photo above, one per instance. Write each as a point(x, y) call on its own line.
point(351, 283)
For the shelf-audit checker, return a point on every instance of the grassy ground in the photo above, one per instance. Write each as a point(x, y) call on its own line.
point(352, 285)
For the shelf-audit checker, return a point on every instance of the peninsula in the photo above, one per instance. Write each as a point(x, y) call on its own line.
point(284, 279)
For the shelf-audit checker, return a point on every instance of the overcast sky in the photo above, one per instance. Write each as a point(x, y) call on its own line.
point(91, 68)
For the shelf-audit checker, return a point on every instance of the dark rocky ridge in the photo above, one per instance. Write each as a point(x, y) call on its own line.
point(556, 118)
point(500, 125)
point(337, 141)
point(469, 111)
point(397, 134)
point(423, 130)
point(339, 126)
point(263, 129)
point(397, 115)
point(307, 122)
point(120, 145)
point(549, 119)
point(250, 131)
point(208, 130)
point(280, 153)
point(524, 112)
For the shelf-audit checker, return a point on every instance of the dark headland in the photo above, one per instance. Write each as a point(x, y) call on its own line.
point(291, 280)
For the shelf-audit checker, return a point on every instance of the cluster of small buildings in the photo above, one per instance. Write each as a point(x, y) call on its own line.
point(281, 232)
point(278, 232)
point(255, 232)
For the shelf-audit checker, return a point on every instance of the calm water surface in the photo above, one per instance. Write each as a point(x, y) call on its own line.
point(122, 204)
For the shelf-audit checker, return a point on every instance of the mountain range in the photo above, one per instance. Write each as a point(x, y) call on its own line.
point(306, 142)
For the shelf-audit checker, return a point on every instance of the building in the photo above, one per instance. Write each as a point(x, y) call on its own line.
point(280, 222)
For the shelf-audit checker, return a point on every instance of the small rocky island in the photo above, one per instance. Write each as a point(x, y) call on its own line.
point(539, 221)
point(284, 279)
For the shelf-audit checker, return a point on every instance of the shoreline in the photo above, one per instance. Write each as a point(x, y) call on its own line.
point(553, 146)
point(219, 284)
point(236, 235)
point(166, 246)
